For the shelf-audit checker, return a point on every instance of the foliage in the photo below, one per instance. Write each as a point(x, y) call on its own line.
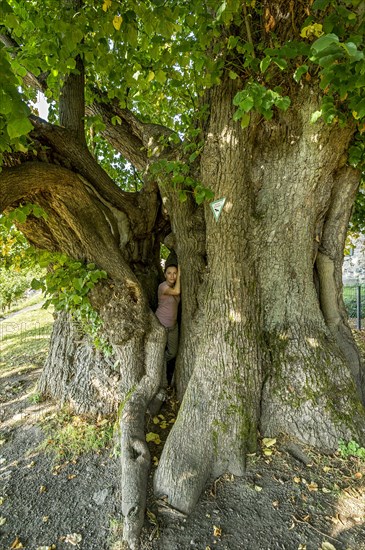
point(178, 174)
point(158, 57)
point(14, 112)
point(65, 282)
point(69, 435)
point(25, 339)
point(66, 285)
point(16, 271)
point(350, 301)
point(14, 247)
point(351, 449)
point(13, 285)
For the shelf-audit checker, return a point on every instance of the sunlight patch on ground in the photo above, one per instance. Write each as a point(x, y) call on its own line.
point(352, 501)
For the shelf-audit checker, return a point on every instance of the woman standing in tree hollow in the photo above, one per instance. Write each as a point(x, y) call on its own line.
point(166, 313)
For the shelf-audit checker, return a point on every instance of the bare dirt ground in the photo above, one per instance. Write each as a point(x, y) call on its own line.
point(290, 498)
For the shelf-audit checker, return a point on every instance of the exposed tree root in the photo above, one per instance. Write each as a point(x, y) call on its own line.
point(135, 454)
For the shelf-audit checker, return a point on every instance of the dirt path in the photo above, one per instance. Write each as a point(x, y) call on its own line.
point(305, 503)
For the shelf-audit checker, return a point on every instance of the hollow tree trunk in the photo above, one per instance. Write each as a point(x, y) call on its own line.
point(219, 413)
point(265, 354)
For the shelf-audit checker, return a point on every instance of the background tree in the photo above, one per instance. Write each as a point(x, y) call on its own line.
point(259, 103)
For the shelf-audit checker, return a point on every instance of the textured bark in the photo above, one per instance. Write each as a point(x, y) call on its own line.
point(78, 374)
point(262, 344)
point(308, 377)
point(217, 421)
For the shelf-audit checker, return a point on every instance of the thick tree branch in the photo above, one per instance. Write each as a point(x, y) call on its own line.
point(72, 101)
point(75, 224)
point(134, 139)
point(81, 160)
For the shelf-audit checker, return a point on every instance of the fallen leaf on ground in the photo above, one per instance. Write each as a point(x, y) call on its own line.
point(327, 546)
point(153, 437)
point(268, 442)
point(1, 500)
point(217, 531)
point(152, 517)
point(155, 461)
point(52, 547)
point(42, 489)
point(71, 476)
point(155, 420)
point(73, 538)
point(16, 544)
point(258, 488)
point(45, 519)
point(357, 519)
point(312, 486)
point(2, 520)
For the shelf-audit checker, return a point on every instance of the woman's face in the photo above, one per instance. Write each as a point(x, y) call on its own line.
point(170, 275)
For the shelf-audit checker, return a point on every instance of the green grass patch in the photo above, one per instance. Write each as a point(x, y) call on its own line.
point(32, 300)
point(70, 435)
point(352, 448)
point(24, 340)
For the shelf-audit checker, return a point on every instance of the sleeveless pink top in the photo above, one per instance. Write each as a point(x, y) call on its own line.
point(167, 308)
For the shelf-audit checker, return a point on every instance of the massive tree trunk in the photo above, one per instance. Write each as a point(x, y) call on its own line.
point(272, 347)
point(264, 341)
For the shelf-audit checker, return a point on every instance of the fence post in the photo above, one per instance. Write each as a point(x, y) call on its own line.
point(358, 307)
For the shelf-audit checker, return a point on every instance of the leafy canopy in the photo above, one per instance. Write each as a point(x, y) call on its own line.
point(158, 56)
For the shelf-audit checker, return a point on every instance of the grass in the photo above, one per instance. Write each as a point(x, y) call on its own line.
point(24, 339)
point(33, 299)
point(70, 435)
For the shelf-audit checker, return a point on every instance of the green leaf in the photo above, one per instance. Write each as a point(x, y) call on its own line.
point(281, 63)
point(324, 41)
point(315, 116)
point(283, 103)
point(183, 197)
point(160, 76)
point(245, 120)
point(36, 284)
point(19, 127)
point(221, 9)
point(233, 75)
point(247, 104)
point(265, 63)
point(299, 72)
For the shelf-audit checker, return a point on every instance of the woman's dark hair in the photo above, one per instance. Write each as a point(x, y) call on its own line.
point(169, 265)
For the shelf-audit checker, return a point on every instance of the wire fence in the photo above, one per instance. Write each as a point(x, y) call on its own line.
point(354, 299)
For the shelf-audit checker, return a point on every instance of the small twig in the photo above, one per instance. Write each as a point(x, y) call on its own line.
point(314, 529)
point(248, 29)
point(164, 507)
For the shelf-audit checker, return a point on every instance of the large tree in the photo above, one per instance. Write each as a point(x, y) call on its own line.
point(156, 108)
